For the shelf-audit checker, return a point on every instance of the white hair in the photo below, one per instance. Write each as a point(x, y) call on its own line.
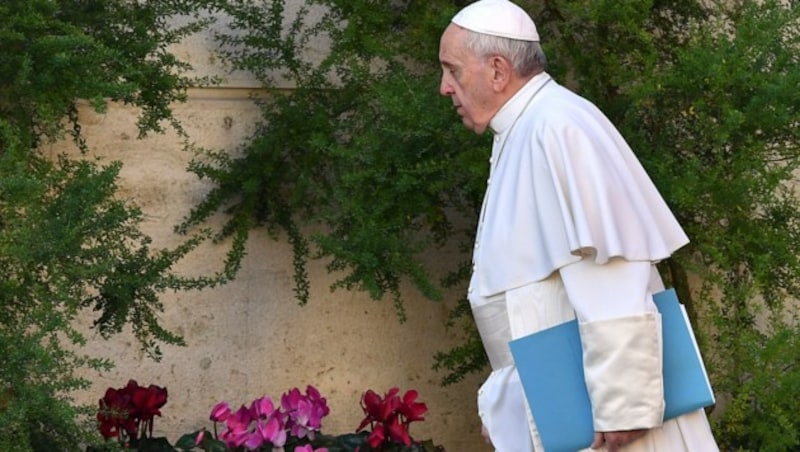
point(526, 57)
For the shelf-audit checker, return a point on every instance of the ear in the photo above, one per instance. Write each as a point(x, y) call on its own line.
point(502, 73)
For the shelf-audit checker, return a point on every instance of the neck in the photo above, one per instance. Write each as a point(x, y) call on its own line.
point(514, 85)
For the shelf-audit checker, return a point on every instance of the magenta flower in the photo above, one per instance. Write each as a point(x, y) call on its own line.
point(240, 420)
point(237, 430)
point(262, 408)
point(279, 439)
point(272, 431)
point(305, 412)
point(308, 448)
point(254, 440)
point(220, 412)
point(235, 439)
point(251, 427)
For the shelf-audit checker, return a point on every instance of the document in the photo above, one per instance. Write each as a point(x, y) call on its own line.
point(550, 366)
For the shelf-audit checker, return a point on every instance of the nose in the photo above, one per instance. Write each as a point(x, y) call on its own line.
point(445, 89)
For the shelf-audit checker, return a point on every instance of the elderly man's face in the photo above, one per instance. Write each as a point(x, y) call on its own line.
point(467, 80)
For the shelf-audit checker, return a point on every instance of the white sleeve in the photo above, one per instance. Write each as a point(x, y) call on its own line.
point(621, 337)
point(618, 288)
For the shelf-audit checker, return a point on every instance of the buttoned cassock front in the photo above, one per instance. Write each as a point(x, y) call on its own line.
point(571, 223)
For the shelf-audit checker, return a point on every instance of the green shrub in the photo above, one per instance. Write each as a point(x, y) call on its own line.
point(68, 244)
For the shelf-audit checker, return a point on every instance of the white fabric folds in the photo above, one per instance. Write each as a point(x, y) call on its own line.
point(568, 186)
point(622, 361)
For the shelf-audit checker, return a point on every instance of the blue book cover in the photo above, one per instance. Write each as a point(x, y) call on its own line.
point(550, 365)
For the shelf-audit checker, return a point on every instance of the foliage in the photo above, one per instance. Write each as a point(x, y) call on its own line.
point(358, 151)
point(68, 243)
point(365, 155)
point(761, 413)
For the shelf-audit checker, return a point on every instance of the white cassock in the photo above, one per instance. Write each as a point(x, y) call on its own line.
point(572, 225)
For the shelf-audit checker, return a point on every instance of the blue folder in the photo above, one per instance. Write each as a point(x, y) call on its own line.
point(550, 366)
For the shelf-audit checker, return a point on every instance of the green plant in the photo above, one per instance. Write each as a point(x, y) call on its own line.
point(68, 243)
point(761, 413)
point(361, 163)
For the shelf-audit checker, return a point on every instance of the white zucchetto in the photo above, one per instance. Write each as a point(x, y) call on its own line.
point(497, 18)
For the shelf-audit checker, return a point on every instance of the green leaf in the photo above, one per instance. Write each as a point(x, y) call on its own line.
point(159, 444)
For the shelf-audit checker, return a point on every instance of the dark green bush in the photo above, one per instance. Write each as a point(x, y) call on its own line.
point(68, 244)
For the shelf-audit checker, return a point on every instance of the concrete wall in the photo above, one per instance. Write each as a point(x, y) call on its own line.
point(250, 338)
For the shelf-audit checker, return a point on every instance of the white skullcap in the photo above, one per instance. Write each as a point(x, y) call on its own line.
point(497, 18)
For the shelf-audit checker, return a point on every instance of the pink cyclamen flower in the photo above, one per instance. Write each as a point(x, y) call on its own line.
point(262, 408)
point(237, 439)
point(199, 440)
point(290, 400)
point(253, 440)
point(238, 427)
point(300, 417)
point(220, 412)
point(308, 448)
point(240, 420)
point(304, 412)
point(279, 440)
point(272, 431)
point(320, 406)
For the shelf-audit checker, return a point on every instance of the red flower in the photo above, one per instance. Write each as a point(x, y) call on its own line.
point(148, 401)
point(390, 415)
point(115, 414)
point(411, 409)
point(376, 437)
point(128, 411)
point(398, 431)
point(371, 404)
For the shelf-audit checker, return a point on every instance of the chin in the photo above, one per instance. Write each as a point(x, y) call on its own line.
point(472, 126)
point(477, 128)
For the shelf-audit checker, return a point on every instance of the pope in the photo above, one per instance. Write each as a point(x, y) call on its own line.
point(571, 226)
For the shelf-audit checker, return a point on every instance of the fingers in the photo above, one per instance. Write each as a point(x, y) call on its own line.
point(614, 441)
point(598, 440)
point(609, 439)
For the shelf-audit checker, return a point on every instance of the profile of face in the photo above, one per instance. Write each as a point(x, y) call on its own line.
point(467, 79)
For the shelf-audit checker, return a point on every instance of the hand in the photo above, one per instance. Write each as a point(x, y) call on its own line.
point(616, 440)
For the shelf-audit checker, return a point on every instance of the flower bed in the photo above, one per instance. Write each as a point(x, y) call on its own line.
point(295, 425)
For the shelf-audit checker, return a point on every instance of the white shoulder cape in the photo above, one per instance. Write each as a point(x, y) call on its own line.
point(566, 185)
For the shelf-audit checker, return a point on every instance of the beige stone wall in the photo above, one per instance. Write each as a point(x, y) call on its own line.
point(250, 338)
